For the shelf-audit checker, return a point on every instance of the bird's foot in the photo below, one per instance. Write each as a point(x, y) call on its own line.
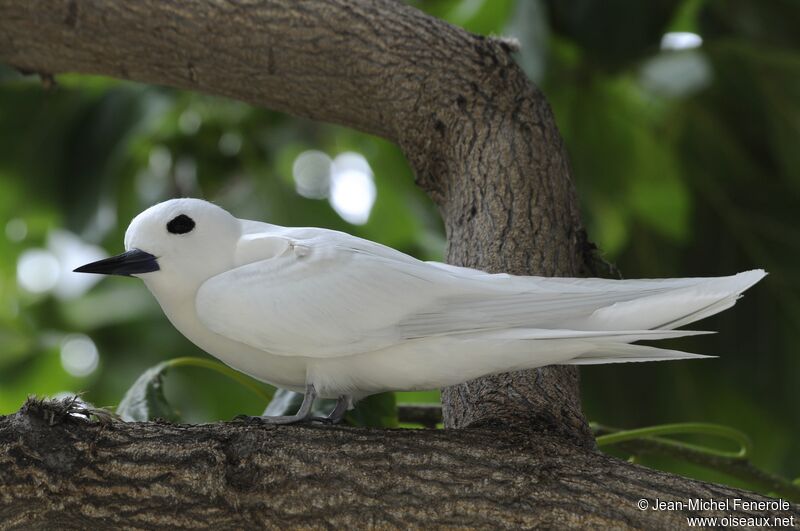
point(304, 414)
point(336, 416)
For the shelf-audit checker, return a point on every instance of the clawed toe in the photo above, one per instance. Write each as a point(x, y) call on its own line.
point(303, 415)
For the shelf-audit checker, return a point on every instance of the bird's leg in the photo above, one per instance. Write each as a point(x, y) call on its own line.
point(342, 404)
point(303, 414)
point(336, 416)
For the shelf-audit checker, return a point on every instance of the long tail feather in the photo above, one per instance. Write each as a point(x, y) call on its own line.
point(624, 353)
point(673, 308)
point(616, 336)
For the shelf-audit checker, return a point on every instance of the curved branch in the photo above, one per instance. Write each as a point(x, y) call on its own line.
point(480, 137)
point(358, 63)
point(59, 470)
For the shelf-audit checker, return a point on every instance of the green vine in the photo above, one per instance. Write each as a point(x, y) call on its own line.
point(695, 428)
point(651, 441)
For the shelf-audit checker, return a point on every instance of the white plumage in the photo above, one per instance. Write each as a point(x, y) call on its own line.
point(299, 306)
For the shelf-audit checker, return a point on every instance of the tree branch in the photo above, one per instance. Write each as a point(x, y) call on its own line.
point(62, 471)
point(480, 137)
point(284, 55)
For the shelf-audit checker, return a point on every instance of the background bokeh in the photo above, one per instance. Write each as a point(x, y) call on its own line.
point(682, 121)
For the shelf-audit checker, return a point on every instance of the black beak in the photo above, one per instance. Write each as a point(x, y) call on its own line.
point(126, 264)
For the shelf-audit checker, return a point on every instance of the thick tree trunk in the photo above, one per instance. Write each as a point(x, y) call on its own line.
point(62, 472)
point(482, 142)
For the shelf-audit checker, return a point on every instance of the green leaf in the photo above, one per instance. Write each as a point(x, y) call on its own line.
point(478, 16)
point(377, 410)
point(482, 17)
point(145, 399)
point(623, 155)
point(610, 227)
point(660, 198)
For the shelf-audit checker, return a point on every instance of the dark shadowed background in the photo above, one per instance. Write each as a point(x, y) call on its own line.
point(682, 121)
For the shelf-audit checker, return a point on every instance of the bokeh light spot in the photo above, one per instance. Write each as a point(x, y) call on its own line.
point(160, 160)
point(71, 251)
point(312, 174)
point(681, 40)
point(189, 122)
point(230, 144)
point(79, 355)
point(38, 270)
point(353, 189)
point(16, 229)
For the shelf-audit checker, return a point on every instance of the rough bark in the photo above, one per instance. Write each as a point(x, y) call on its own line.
point(482, 142)
point(60, 471)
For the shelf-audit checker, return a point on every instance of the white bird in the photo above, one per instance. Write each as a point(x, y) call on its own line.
point(335, 316)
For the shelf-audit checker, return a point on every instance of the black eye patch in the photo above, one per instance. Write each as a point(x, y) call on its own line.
point(180, 224)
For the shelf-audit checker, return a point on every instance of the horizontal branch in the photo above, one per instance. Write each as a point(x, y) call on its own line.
point(60, 470)
point(373, 65)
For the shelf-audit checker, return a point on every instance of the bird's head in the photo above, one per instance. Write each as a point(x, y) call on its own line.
point(180, 241)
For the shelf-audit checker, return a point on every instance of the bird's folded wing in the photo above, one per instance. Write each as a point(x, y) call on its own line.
point(318, 293)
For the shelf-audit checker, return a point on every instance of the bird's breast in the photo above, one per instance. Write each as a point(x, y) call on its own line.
point(281, 371)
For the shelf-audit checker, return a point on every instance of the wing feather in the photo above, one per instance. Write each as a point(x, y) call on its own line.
point(343, 295)
point(331, 300)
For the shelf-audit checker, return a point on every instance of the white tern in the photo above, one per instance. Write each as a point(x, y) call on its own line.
point(335, 316)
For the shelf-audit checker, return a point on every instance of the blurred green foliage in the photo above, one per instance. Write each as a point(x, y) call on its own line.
point(685, 160)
